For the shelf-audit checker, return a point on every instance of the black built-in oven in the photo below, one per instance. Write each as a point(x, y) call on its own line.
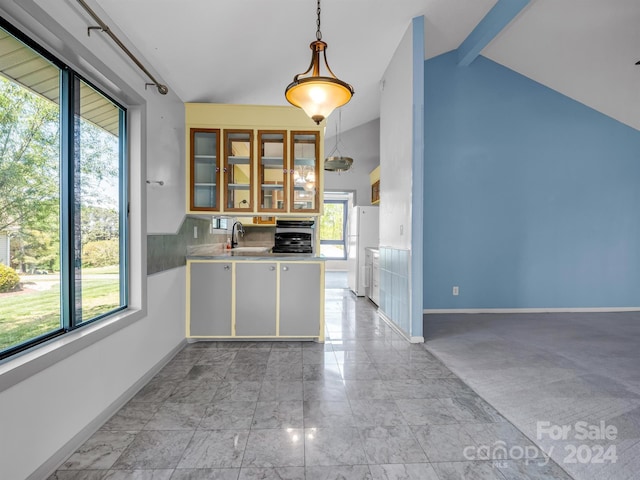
point(294, 236)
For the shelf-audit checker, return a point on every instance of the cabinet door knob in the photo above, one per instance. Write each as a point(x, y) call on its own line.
point(227, 267)
point(285, 268)
point(272, 268)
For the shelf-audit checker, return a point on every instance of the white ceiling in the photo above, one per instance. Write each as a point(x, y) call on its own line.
point(247, 51)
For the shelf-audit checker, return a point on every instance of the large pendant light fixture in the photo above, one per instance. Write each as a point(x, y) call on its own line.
point(316, 94)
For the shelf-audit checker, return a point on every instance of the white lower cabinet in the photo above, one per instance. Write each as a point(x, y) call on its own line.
point(255, 299)
point(375, 279)
point(299, 299)
point(210, 309)
point(256, 285)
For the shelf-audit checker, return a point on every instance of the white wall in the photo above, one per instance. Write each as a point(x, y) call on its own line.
point(402, 183)
point(47, 415)
point(396, 140)
point(166, 151)
point(40, 415)
point(363, 145)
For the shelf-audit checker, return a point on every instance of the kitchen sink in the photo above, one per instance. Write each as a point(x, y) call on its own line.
point(250, 249)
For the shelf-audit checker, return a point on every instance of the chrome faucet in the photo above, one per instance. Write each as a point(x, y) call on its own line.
point(234, 234)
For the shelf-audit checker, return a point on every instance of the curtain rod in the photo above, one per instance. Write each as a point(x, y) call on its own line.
point(162, 89)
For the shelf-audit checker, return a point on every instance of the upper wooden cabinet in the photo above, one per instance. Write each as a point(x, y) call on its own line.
point(238, 171)
point(374, 178)
point(304, 171)
point(253, 160)
point(204, 169)
point(273, 169)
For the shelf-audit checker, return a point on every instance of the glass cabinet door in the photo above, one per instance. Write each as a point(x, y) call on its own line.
point(272, 169)
point(305, 151)
point(238, 170)
point(205, 169)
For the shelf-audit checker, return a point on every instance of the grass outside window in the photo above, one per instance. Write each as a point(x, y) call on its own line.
point(35, 310)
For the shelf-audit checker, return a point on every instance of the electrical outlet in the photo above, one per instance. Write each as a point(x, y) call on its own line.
point(456, 291)
point(195, 232)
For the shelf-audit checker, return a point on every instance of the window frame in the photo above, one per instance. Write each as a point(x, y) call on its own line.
point(343, 242)
point(70, 326)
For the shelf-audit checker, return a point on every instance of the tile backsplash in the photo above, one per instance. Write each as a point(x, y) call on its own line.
point(257, 236)
point(169, 251)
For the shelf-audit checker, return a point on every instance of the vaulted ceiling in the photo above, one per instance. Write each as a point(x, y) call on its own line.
point(247, 51)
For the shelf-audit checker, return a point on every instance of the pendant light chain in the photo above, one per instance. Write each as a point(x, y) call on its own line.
point(318, 32)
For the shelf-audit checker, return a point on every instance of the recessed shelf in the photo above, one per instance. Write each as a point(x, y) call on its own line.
point(272, 161)
point(305, 162)
point(238, 160)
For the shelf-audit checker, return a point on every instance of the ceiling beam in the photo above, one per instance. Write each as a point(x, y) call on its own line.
point(491, 25)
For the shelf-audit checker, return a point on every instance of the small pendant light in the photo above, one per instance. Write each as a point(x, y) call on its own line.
point(335, 161)
point(316, 94)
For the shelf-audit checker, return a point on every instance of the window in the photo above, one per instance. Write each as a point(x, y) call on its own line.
point(332, 230)
point(63, 202)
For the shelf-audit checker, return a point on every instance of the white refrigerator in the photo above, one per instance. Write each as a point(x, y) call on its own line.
point(363, 232)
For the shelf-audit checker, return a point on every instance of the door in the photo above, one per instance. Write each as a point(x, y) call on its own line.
point(367, 236)
point(256, 299)
point(205, 170)
point(352, 250)
point(333, 230)
point(305, 173)
point(210, 299)
point(272, 171)
point(300, 299)
point(238, 170)
point(375, 278)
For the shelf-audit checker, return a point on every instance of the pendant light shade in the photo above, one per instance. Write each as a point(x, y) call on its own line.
point(338, 164)
point(318, 95)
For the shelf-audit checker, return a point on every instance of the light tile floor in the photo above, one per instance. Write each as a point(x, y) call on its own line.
point(365, 405)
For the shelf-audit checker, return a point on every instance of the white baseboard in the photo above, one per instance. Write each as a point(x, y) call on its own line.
point(53, 463)
point(431, 311)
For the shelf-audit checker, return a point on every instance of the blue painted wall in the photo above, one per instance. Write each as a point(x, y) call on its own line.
point(532, 200)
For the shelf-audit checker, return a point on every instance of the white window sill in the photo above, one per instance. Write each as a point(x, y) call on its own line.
point(14, 370)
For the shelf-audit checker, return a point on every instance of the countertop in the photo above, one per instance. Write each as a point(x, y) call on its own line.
point(253, 256)
point(218, 252)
